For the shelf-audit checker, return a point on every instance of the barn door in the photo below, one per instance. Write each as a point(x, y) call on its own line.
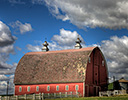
point(86, 90)
point(96, 68)
point(96, 90)
point(96, 75)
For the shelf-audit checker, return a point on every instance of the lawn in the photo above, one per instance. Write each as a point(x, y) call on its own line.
point(119, 97)
point(110, 86)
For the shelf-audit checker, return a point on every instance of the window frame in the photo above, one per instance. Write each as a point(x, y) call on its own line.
point(20, 89)
point(37, 88)
point(66, 87)
point(48, 88)
point(103, 62)
point(57, 88)
point(28, 88)
point(77, 87)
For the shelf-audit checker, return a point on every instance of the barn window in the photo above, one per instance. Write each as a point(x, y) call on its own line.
point(20, 89)
point(77, 87)
point(37, 88)
point(57, 88)
point(102, 62)
point(28, 89)
point(89, 60)
point(67, 87)
point(48, 88)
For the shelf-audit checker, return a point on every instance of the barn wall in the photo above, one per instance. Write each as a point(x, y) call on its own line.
point(96, 74)
point(43, 88)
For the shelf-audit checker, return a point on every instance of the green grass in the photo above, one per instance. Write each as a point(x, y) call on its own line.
point(110, 86)
point(119, 97)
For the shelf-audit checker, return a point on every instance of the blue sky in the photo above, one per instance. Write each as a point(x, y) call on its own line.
point(24, 25)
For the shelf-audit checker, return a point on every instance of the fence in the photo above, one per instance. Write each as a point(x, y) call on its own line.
point(41, 96)
point(111, 93)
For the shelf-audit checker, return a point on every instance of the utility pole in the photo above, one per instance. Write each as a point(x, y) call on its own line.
point(7, 88)
point(113, 78)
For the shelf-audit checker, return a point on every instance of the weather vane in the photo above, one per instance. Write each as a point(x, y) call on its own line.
point(45, 39)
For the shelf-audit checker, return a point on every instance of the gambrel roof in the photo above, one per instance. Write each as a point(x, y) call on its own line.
point(53, 66)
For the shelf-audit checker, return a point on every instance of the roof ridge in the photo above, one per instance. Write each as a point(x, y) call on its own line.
point(62, 51)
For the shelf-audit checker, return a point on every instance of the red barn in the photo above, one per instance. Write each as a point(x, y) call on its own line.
point(83, 70)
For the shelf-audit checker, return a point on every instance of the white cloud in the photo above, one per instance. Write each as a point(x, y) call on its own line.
point(3, 85)
point(6, 48)
point(66, 37)
point(65, 40)
point(23, 28)
point(91, 13)
point(116, 53)
point(7, 69)
point(34, 48)
point(5, 35)
point(3, 77)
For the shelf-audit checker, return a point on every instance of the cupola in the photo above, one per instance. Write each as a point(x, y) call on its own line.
point(45, 48)
point(78, 45)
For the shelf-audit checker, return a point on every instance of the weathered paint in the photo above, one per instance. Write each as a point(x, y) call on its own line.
point(96, 79)
point(83, 89)
point(43, 88)
point(96, 74)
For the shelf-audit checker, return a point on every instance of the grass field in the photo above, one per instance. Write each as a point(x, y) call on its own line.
point(119, 97)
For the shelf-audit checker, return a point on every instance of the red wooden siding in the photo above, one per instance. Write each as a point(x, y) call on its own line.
point(96, 74)
point(43, 88)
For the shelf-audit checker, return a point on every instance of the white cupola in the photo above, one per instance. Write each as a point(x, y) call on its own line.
point(78, 45)
point(45, 48)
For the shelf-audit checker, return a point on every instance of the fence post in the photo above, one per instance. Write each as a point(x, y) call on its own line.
point(42, 96)
point(25, 96)
point(9, 98)
point(77, 94)
point(48, 95)
point(0, 97)
point(60, 94)
point(54, 95)
point(39, 96)
point(71, 94)
point(6, 98)
point(65, 94)
point(34, 97)
point(16, 97)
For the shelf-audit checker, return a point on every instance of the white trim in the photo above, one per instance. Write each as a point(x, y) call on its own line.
point(28, 88)
point(20, 89)
point(36, 88)
point(58, 88)
point(102, 62)
point(14, 89)
point(77, 87)
point(83, 88)
point(48, 89)
point(66, 87)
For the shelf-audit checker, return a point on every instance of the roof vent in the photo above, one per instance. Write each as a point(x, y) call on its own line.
point(78, 45)
point(45, 48)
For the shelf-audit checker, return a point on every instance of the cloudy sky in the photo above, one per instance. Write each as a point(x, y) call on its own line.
point(26, 24)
